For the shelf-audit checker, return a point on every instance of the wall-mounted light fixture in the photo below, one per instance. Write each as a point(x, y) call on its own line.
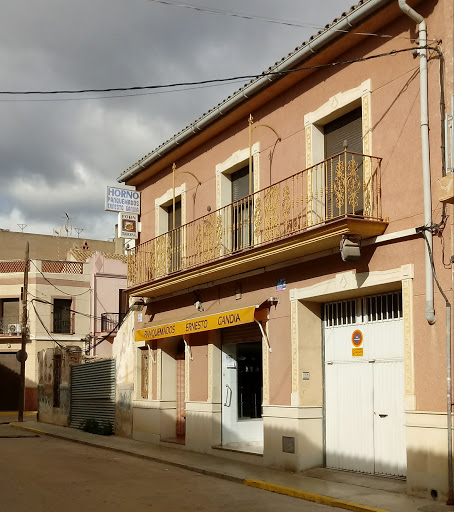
point(138, 305)
point(350, 248)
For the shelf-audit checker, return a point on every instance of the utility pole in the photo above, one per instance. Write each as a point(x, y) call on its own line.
point(23, 353)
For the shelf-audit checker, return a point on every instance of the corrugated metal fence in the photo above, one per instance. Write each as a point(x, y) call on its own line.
point(93, 392)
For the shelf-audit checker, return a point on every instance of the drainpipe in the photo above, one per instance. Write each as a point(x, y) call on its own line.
point(430, 313)
point(417, 18)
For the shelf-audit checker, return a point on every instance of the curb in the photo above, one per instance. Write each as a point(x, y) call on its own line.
point(194, 469)
point(310, 496)
point(259, 484)
point(30, 429)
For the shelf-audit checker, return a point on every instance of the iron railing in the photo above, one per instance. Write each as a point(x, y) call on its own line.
point(347, 184)
point(110, 321)
point(62, 325)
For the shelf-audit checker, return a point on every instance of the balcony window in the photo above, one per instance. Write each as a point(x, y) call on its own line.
point(242, 211)
point(62, 316)
point(344, 133)
point(174, 235)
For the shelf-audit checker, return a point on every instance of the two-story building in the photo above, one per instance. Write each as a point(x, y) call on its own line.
point(292, 317)
point(74, 299)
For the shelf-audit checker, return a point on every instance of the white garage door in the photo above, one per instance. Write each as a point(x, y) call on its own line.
point(364, 385)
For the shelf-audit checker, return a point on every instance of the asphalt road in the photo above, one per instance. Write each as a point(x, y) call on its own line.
point(43, 474)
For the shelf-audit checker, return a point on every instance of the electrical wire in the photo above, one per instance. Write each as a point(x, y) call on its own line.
point(217, 80)
point(43, 301)
point(115, 328)
point(115, 96)
point(56, 287)
point(119, 324)
point(276, 21)
point(47, 330)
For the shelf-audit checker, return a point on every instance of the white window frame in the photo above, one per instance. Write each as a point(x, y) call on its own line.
point(314, 122)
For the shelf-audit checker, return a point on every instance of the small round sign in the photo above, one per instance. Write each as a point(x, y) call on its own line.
point(357, 338)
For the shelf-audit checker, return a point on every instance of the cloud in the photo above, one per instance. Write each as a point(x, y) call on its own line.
point(57, 156)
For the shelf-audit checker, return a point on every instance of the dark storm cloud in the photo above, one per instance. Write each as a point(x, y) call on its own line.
point(60, 155)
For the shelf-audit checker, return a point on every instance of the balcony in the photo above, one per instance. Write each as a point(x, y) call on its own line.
point(300, 215)
point(110, 321)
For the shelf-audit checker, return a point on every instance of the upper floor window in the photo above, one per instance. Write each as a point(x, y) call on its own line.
point(62, 316)
point(242, 211)
point(173, 223)
point(9, 316)
point(344, 134)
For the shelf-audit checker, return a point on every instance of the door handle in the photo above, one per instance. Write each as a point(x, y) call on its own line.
point(228, 396)
point(383, 415)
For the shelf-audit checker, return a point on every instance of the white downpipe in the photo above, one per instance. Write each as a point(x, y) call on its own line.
point(417, 18)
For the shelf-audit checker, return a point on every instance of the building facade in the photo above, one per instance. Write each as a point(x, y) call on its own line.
point(291, 318)
point(73, 304)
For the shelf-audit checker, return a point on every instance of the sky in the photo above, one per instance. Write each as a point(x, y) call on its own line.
point(59, 152)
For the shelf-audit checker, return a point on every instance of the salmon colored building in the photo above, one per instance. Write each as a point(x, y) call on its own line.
point(292, 317)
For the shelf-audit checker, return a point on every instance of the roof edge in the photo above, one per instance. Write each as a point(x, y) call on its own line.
point(315, 44)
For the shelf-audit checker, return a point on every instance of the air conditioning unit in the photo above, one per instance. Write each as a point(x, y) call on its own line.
point(14, 329)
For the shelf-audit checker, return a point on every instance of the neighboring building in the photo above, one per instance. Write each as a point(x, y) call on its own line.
point(49, 247)
point(73, 302)
point(56, 290)
point(257, 338)
point(109, 304)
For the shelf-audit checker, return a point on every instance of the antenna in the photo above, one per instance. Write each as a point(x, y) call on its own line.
point(78, 231)
point(22, 227)
point(67, 227)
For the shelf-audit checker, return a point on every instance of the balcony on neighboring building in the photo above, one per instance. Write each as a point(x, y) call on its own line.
point(111, 321)
point(303, 214)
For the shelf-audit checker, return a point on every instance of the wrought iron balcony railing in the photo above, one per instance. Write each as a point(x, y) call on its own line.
point(346, 185)
point(110, 321)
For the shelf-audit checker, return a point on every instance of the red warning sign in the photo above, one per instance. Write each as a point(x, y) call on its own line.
point(357, 338)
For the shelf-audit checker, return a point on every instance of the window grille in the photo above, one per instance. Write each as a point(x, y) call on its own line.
point(375, 308)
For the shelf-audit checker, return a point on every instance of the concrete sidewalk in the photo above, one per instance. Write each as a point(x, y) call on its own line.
point(343, 490)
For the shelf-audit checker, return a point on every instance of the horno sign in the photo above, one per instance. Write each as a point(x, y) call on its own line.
point(122, 200)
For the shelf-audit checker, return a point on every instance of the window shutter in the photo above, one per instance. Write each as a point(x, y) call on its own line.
point(177, 216)
point(347, 127)
point(240, 184)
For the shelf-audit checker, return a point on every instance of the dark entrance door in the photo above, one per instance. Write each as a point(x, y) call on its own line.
point(9, 381)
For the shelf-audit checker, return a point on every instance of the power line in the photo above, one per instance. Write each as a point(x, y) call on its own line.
point(276, 21)
point(44, 301)
point(113, 96)
point(56, 287)
point(217, 80)
point(47, 330)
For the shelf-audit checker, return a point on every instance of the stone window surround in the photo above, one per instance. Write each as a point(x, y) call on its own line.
point(161, 219)
point(236, 161)
point(339, 104)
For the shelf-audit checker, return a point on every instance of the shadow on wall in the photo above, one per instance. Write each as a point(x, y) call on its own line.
point(10, 386)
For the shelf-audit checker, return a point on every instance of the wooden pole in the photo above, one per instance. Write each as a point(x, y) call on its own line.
point(23, 353)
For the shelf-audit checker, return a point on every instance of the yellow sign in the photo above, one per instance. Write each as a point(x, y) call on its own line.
point(357, 352)
point(204, 323)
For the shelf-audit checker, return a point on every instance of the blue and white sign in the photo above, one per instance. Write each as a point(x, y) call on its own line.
point(122, 200)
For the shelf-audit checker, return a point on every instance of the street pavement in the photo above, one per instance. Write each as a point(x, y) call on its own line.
point(42, 474)
point(346, 490)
